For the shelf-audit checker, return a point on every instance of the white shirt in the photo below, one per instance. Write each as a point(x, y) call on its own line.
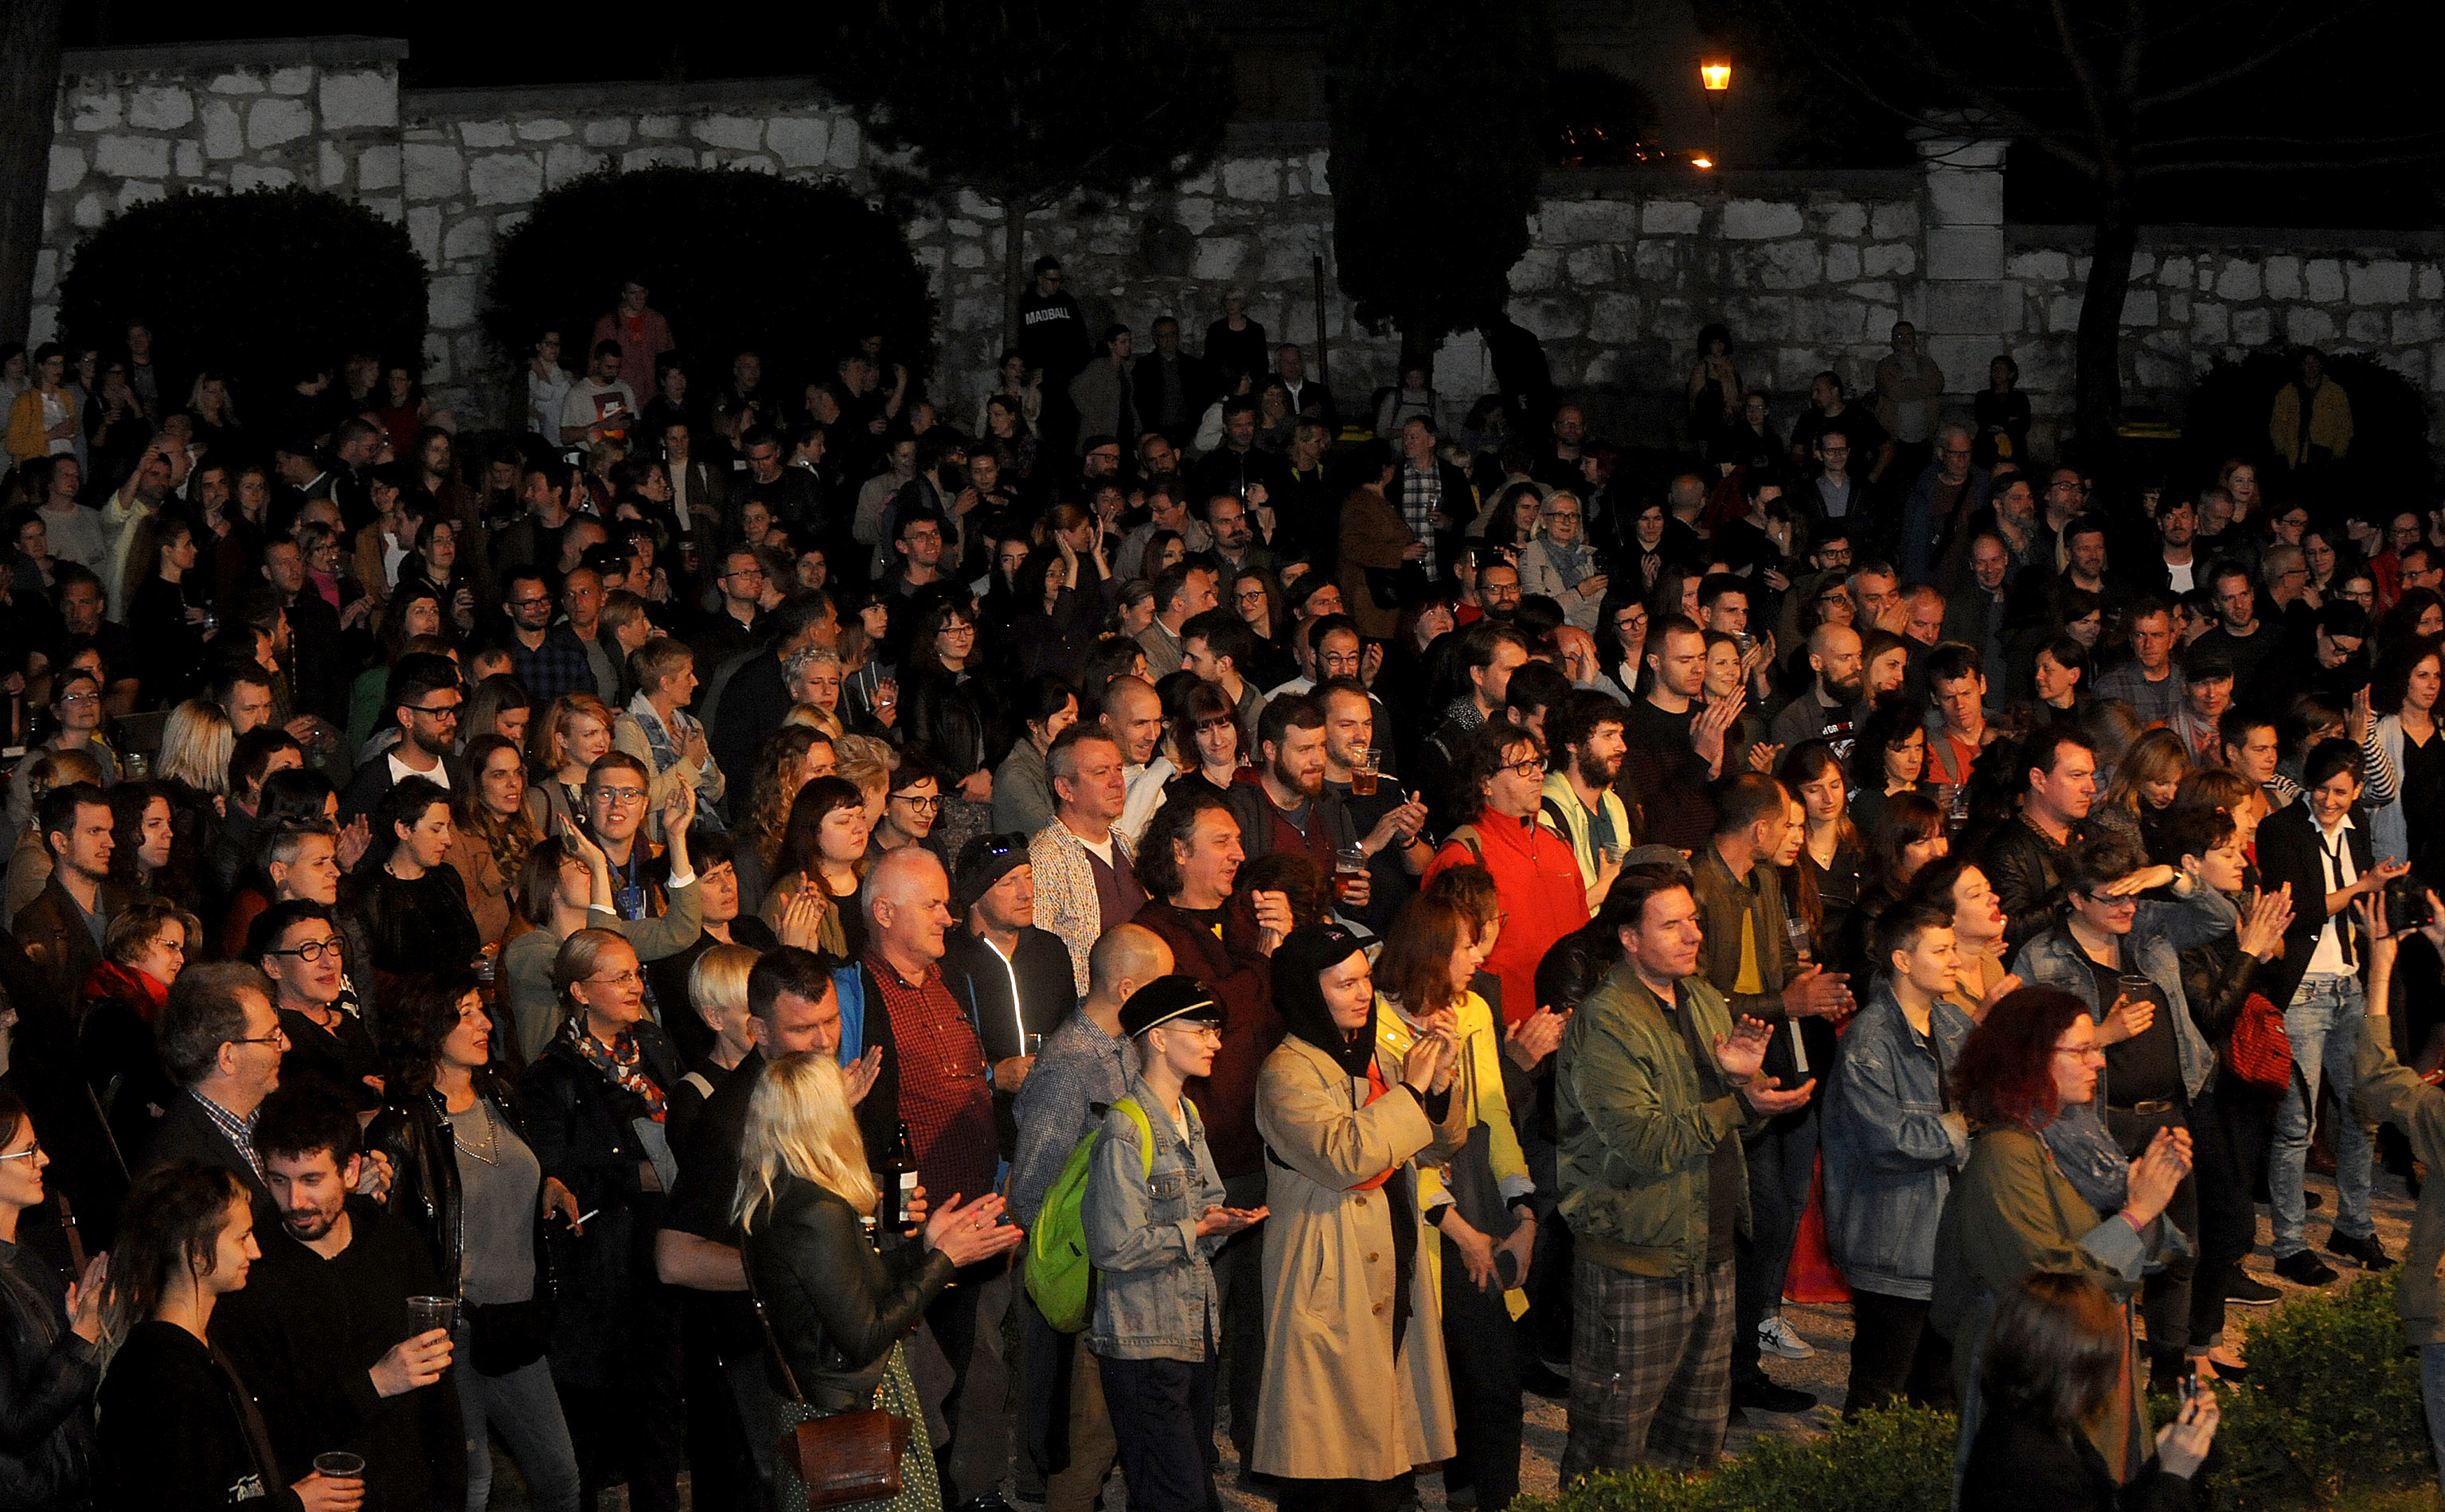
point(400, 771)
point(2182, 575)
point(1145, 795)
point(2335, 851)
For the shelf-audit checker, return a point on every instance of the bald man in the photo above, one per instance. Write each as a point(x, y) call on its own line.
point(1133, 718)
point(1087, 1064)
point(1824, 712)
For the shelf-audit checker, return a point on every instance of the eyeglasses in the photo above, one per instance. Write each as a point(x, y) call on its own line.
point(439, 711)
point(2081, 1052)
point(621, 979)
point(1526, 767)
point(30, 1151)
point(620, 794)
point(311, 949)
point(528, 604)
point(1563, 515)
point(922, 804)
point(278, 1037)
point(75, 698)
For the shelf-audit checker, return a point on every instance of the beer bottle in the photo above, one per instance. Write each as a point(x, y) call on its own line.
point(900, 1180)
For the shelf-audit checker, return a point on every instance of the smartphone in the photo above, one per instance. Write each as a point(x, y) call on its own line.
point(1506, 1268)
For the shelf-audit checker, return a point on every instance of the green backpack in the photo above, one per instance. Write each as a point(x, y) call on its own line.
point(1059, 1278)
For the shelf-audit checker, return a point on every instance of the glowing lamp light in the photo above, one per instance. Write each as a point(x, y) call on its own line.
point(1717, 77)
point(1702, 162)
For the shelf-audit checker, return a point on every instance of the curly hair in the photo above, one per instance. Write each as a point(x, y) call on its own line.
point(424, 1014)
point(1157, 869)
point(2005, 1073)
point(768, 806)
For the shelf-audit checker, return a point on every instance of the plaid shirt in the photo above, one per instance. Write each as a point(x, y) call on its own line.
point(555, 667)
point(1422, 495)
point(240, 1130)
point(945, 1091)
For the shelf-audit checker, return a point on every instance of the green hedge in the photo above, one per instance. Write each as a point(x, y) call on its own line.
point(2331, 1410)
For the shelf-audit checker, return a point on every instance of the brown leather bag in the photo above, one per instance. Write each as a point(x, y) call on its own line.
point(843, 1459)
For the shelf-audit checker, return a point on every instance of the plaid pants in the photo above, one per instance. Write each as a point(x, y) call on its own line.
point(1650, 1369)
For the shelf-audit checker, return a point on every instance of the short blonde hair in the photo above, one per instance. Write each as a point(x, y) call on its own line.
point(868, 762)
point(197, 741)
point(798, 1121)
point(718, 980)
point(581, 956)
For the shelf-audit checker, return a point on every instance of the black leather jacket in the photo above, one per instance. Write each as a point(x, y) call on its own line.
point(835, 1305)
point(2023, 868)
point(413, 1129)
point(956, 722)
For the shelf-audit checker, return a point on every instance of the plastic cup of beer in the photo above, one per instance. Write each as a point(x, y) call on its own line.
point(1349, 868)
point(425, 1313)
point(339, 1465)
point(1363, 770)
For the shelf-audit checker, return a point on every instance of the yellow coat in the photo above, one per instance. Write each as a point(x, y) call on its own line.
point(1478, 1097)
point(1337, 1402)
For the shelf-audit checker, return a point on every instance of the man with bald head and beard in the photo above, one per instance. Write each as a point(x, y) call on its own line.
point(1824, 712)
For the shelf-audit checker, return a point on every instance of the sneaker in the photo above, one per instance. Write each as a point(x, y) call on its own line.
point(2305, 1269)
point(1766, 1397)
point(2366, 1250)
point(2249, 1291)
point(1781, 1339)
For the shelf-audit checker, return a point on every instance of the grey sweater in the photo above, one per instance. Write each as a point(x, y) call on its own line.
point(1081, 1070)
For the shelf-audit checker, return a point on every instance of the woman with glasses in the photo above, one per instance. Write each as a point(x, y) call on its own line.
point(597, 1105)
point(1620, 635)
point(410, 899)
point(1559, 563)
point(954, 719)
point(1501, 770)
point(2332, 559)
point(1256, 598)
point(50, 1330)
point(912, 807)
point(2013, 1212)
point(465, 1176)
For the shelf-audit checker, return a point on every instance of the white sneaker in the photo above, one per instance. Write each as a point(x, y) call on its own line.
point(1779, 1338)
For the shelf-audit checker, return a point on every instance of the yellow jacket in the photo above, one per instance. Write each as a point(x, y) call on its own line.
point(2330, 421)
point(1477, 1097)
point(29, 437)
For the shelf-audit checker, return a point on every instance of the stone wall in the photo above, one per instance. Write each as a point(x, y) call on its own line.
point(1808, 270)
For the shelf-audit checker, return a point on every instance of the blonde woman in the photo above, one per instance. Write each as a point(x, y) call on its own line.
point(837, 1306)
point(573, 734)
point(813, 675)
point(1561, 565)
point(716, 991)
point(868, 763)
point(2145, 782)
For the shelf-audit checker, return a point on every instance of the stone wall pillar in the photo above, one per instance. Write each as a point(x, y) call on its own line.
point(1970, 313)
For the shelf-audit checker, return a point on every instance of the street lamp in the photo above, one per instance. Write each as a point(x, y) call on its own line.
point(1717, 80)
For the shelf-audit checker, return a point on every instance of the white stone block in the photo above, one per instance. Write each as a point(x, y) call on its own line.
point(132, 157)
point(1964, 252)
point(2418, 326)
point(468, 238)
point(330, 164)
point(1846, 219)
point(2364, 327)
point(160, 107)
point(2043, 265)
point(505, 178)
point(1194, 214)
point(849, 147)
point(1536, 270)
point(2432, 282)
point(91, 211)
point(437, 359)
point(2140, 308)
point(1894, 222)
point(1217, 257)
point(2323, 280)
point(450, 302)
point(1671, 217)
point(224, 134)
point(272, 122)
point(1759, 219)
point(1614, 317)
point(2210, 324)
point(543, 128)
point(964, 254)
point(755, 162)
point(1843, 262)
point(738, 133)
point(1957, 199)
point(486, 134)
point(1576, 220)
point(1252, 179)
point(383, 207)
point(237, 83)
point(68, 167)
point(2240, 281)
point(2143, 267)
point(658, 126)
point(2307, 325)
point(667, 156)
point(1794, 264)
point(139, 190)
point(565, 161)
point(2255, 327)
point(1967, 308)
point(424, 233)
point(2283, 277)
point(800, 141)
point(973, 206)
point(2381, 283)
point(1655, 261)
point(358, 97)
point(44, 324)
point(433, 173)
point(1889, 259)
point(97, 110)
point(2174, 272)
point(378, 168)
point(605, 132)
point(188, 159)
point(1588, 266)
point(290, 81)
point(248, 175)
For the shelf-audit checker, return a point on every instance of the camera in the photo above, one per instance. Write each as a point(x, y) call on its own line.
point(2406, 905)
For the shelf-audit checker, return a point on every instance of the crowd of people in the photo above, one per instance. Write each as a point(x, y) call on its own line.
point(642, 931)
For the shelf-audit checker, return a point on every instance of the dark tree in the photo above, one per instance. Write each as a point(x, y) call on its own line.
point(30, 94)
point(2133, 99)
point(1027, 103)
point(1436, 152)
point(796, 271)
point(1596, 118)
point(260, 281)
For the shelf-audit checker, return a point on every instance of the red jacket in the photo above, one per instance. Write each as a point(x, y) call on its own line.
point(1544, 897)
point(1242, 981)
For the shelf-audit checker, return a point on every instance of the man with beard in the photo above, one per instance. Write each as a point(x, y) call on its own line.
point(322, 1333)
point(1389, 817)
point(1584, 735)
point(424, 699)
point(1823, 713)
point(1281, 804)
point(1675, 739)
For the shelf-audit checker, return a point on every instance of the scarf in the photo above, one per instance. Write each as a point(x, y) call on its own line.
point(619, 1062)
point(1571, 563)
point(2088, 1157)
point(141, 990)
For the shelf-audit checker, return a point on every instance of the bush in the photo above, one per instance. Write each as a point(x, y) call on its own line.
point(249, 284)
point(2332, 1401)
point(734, 258)
point(1899, 1460)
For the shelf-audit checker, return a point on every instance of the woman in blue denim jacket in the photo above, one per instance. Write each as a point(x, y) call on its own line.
point(1892, 1141)
point(1153, 1217)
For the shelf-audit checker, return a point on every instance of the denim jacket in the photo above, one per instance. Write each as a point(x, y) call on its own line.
point(1154, 1290)
point(1893, 1144)
point(2159, 933)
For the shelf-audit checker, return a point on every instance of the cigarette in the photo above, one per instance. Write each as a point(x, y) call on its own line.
point(579, 1221)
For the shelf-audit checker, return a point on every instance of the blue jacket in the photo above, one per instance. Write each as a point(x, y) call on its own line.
point(2159, 933)
point(1155, 1297)
point(1893, 1143)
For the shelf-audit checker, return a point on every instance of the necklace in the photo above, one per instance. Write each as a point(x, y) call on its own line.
point(490, 1152)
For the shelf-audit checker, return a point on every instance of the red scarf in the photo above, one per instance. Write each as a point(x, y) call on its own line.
point(143, 992)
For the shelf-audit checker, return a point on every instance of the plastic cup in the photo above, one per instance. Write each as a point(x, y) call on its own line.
point(425, 1313)
point(339, 1465)
point(1349, 870)
point(1363, 770)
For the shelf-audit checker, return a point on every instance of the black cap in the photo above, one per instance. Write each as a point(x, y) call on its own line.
point(2205, 664)
point(1165, 999)
point(985, 861)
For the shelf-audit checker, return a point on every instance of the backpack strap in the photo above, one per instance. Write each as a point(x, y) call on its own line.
point(1129, 1108)
point(1466, 835)
point(1552, 809)
point(696, 1080)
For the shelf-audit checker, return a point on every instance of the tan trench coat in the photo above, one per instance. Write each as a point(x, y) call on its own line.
point(1336, 1404)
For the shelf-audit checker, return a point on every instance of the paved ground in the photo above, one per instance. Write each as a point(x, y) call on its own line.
point(1827, 1328)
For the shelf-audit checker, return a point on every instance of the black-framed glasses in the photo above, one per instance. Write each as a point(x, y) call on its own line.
point(311, 949)
point(924, 804)
point(278, 1037)
point(439, 710)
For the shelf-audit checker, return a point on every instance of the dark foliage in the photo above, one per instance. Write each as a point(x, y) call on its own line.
point(2228, 417)
point(263, 281)
point(1435, 165)
point(735, 259)
point(1596, 118)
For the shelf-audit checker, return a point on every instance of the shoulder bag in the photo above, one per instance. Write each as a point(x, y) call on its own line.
point(843, 1459)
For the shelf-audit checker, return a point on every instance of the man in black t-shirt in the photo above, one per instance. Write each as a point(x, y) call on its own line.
point(1872, 450)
